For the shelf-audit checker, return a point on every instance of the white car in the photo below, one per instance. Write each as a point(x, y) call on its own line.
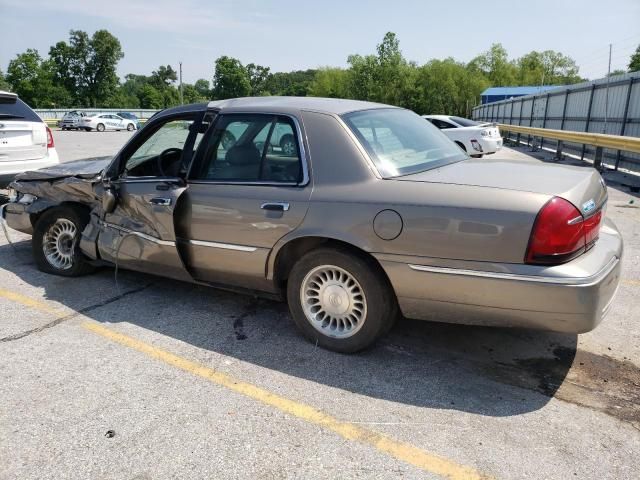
point(107, 121)
point(26, 143)
point(475, 138)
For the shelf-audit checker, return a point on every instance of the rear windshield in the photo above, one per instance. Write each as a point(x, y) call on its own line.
point(401, 142)
point(465, 122)
point(16, 109)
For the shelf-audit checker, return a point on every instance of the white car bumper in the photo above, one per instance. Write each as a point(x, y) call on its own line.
point(8, 170)
point(490, 144)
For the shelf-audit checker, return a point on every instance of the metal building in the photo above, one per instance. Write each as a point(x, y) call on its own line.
point(600, 106)
point(495, 94)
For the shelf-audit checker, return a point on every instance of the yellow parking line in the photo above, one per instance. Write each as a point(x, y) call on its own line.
point(400, 450)
point(30, 302)
point(628, 281)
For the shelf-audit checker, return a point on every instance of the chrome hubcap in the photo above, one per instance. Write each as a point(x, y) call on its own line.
point(333, 301)
point(289, 148)
point(58, 244)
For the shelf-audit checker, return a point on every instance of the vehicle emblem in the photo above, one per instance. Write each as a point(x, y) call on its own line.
point(588, 206)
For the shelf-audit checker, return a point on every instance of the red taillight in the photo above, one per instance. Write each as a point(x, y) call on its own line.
point(49, 138)
point(560, 233)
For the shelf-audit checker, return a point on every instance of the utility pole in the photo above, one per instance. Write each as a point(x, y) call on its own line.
point(181, 97)
point(606, 98)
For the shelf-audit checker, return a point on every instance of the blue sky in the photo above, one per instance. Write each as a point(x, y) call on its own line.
point(287, 35)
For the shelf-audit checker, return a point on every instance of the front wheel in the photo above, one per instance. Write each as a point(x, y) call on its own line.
point(339, 300)
point(55, 242)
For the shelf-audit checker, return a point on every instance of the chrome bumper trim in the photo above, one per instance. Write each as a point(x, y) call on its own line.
point(522, 278)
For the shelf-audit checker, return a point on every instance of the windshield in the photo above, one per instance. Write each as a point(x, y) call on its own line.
point(401, 142)
point(465, 122)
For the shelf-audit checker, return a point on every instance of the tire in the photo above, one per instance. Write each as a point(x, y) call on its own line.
point(130, 127)
point(288, 145)
point(87, 129)
point(63, 128)
point(100, 127)
point(58, 231)
point(359, 292)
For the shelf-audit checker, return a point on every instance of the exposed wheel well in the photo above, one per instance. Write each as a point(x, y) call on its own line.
point(295, 249)
point(34, 217)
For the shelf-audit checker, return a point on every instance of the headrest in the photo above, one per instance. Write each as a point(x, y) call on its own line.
point(246, 154)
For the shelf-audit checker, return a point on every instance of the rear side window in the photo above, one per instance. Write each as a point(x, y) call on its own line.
point(251, 148)
point(441, 124)
point(16, 109)
point(465, 122)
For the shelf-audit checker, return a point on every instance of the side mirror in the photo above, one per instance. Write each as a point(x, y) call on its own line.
point(109, 200)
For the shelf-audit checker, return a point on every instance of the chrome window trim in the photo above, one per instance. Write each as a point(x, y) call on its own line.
point(520, 278)
point(167, 243)
point(147, 180)
point(304, 158)
point(225, 246)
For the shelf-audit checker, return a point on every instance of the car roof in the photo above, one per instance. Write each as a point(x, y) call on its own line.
point(336, 106)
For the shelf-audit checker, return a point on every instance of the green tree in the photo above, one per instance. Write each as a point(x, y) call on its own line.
point(32, 78)
point(550, 67)
point(163, 77)
point(203, 88)
point(330, 82)
point(495, 65)
point(294, 84)
point(230, 79)
point(258, 76)
point(4, 85)
point(634, 61)
point(87, 66)
point(150, 97)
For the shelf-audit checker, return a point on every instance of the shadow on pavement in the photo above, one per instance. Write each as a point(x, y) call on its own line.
point(430, 365)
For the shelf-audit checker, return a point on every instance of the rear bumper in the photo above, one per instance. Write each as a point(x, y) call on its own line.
point(490, 145)
point(572, 298)
point(8, 170)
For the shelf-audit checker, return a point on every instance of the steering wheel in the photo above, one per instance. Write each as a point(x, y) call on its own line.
point(162, 156)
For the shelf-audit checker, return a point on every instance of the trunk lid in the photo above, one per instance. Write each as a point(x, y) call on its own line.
point(581, 186)
point(20, 140)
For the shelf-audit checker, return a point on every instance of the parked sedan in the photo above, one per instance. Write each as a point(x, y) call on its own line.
point(375, 212)
point(475, 138)
point(108, 121)
point(26, 143)
point(130, 116)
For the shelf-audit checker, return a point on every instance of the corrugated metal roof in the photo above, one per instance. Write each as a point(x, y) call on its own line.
point(519, 90)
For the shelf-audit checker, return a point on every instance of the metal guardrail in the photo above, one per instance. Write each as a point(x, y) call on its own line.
point(616, 142)
point(598, 140)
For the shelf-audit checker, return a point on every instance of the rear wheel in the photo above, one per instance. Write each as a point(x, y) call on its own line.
point(288, 145)
point(100, 127)
point(55, 242)
point(340, 300)
point(130, 127)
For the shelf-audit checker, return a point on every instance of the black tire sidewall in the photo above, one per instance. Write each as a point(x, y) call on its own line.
point(380, 300)
point(80, 264)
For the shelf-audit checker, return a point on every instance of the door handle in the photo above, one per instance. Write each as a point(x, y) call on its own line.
point(275, 206)
point(165, 202)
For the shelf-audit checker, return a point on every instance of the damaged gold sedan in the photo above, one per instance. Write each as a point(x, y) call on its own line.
point(354, 212)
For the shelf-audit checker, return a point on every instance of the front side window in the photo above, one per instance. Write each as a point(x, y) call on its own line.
point(161, 154)
point(251, 148)
point(401, 142)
